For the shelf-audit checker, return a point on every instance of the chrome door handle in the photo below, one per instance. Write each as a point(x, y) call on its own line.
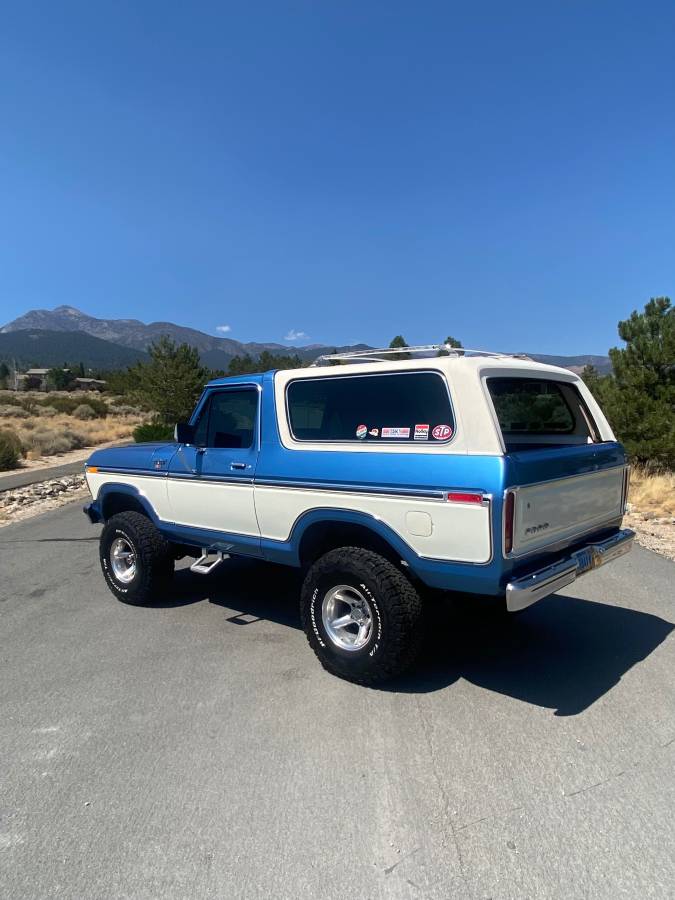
point(237, 465)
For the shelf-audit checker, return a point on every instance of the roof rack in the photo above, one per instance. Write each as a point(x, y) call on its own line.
point(384, 353)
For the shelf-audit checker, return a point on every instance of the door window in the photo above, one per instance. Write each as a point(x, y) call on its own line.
point(227, 420)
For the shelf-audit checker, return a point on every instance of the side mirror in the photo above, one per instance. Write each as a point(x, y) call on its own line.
point(184, 433)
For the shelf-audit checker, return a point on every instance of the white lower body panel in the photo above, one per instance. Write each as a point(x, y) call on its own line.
point(435, 529)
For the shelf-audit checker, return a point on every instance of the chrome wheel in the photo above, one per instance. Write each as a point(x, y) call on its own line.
point(347, 617)
point(123, 560)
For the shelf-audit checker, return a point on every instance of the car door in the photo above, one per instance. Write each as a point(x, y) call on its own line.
point(211, 480)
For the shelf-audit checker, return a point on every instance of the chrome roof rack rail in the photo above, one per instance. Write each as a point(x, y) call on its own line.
point(385, 353)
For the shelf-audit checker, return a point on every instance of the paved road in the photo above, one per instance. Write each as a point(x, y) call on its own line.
point(197, 750)
point(22, 477)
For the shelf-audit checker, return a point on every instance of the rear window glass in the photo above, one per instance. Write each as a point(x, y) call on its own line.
point(399, 408)
point(531, 406)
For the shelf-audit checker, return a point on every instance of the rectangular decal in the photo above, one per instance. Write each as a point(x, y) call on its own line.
point(421, 432)
point(395, 432)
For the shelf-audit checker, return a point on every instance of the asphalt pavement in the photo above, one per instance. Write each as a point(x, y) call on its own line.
point(196, 749)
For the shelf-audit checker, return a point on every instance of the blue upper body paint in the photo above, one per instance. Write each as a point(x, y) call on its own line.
point(353, 471)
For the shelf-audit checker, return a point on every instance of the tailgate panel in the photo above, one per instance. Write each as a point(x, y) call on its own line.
point(557, 510)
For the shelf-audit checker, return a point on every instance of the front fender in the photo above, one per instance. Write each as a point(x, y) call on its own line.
point(96, 510)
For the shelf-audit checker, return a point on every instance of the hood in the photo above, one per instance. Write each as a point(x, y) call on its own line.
point(153, 456)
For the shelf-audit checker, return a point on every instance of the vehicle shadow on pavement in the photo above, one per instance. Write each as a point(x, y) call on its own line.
point(252, 590)
point(563, 654)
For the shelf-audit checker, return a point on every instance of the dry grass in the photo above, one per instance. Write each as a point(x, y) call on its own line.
point(61, 434)
point(653, 493)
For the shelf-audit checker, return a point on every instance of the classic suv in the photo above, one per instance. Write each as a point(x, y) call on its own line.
point(378, 477)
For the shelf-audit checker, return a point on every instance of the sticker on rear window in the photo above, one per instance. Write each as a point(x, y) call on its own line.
point(374, 432)
point(395, 432)
point(441, 432)
point(361, 431)
point(421, 432)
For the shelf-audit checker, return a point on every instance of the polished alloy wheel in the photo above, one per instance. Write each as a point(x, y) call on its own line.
point(347, 617)
point(123, 560)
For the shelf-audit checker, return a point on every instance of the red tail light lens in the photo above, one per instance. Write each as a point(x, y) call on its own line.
point(464, 497)
point(509, 508)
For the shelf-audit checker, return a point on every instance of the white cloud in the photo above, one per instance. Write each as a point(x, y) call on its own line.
point(224, 328)
point(294, 335)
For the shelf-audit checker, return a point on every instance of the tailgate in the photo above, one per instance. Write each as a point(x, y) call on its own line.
point(563, 508)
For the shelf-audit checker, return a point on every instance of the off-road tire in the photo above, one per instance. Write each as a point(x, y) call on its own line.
point(154, 561)
point(397, 630)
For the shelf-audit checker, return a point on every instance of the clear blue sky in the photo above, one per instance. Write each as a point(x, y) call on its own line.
point(504, 172)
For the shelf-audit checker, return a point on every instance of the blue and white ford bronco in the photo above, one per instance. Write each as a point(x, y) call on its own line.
point(379, 477)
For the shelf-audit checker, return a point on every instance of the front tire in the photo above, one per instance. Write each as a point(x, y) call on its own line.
point(361, 615)
point(136, 560)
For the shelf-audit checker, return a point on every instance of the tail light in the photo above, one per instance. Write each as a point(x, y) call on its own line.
point(624, 490)
point(509, 509)
point(465, 497)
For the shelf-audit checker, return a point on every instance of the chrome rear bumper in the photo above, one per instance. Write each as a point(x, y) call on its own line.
point(525, 591)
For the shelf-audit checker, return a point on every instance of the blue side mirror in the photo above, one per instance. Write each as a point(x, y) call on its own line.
point(184, 433)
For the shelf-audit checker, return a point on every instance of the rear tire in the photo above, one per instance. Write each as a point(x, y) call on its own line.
point(136, 560)
point(361, 615)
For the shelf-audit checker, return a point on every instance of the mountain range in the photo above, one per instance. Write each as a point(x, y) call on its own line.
point(51, 337)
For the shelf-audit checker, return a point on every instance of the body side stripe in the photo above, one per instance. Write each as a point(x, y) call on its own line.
point(334, 487)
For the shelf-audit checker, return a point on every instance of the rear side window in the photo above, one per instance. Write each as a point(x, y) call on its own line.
point(399, 408)
point(528, 406)
point(533, 411)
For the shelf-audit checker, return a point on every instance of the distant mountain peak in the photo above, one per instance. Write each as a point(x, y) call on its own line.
point(216, 352)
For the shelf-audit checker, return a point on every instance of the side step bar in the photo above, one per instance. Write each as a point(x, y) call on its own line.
point(206, 562)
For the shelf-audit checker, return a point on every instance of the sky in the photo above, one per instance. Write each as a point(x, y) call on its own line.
point(333, 171)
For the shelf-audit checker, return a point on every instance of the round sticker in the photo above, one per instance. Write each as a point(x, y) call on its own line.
point(441, 432)
point(361, 431)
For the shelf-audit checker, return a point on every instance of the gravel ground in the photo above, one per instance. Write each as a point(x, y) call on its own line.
point(34, 499)
point(657, 534)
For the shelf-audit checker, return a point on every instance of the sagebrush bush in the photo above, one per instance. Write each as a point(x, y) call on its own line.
point(47, 441)
point(152, 431)
point(11, 450)
point(124, 409)
point(9, 398)
point(47, 412)
point(84, 411)
point(68, 405)
point(14, 412)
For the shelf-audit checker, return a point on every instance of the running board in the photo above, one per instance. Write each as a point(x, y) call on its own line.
point(206, 564)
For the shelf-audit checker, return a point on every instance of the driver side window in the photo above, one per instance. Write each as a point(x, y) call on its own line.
point(227, 420)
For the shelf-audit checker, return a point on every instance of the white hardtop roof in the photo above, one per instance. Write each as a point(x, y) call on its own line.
point(516, 364)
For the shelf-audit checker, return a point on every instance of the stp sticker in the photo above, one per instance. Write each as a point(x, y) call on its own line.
point(374, 432)
point(421, 432)
point(441, 432)
point(395, 432)
point(361, 431)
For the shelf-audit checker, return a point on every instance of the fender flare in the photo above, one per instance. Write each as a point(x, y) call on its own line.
point(115, 487)
point(288, 551)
